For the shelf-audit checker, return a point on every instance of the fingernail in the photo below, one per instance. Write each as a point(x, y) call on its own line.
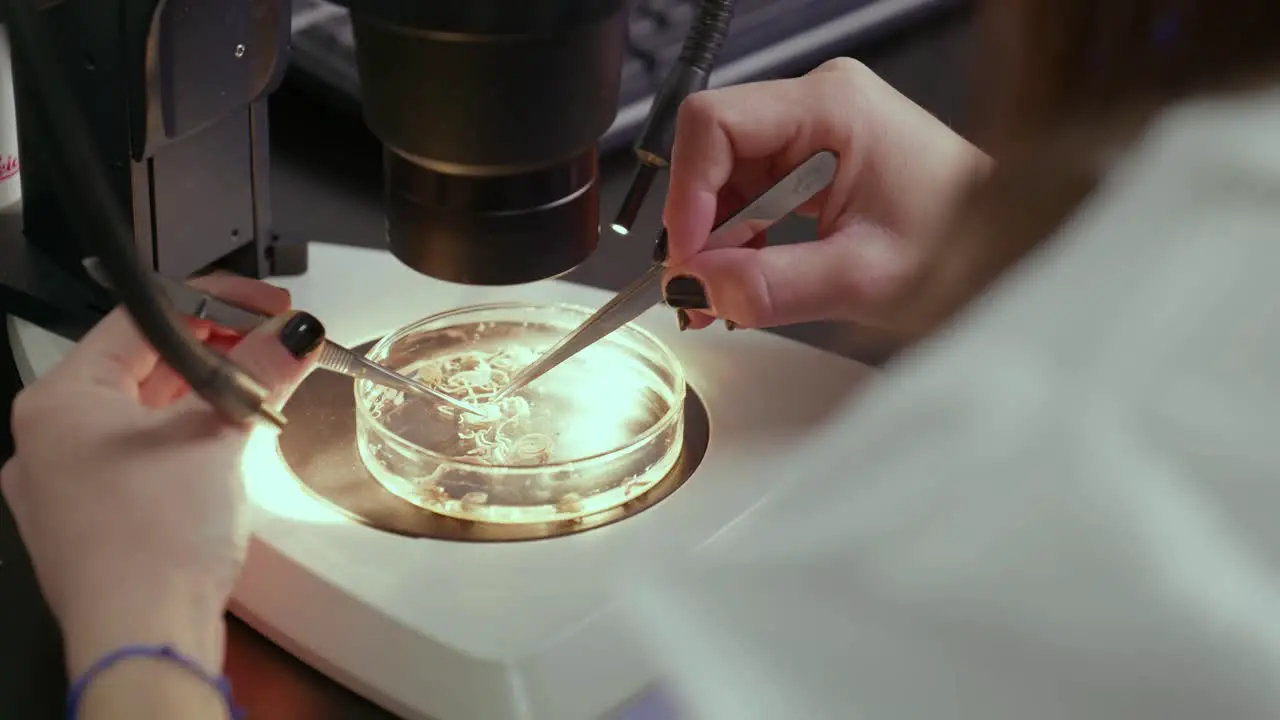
point(682, 318)
point(660, 248)
point(302, 334)
point(686, 292)
point(730, 325)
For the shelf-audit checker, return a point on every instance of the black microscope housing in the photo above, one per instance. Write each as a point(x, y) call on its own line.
point(488, 111)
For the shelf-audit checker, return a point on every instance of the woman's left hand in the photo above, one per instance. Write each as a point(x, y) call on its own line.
point(126, 486)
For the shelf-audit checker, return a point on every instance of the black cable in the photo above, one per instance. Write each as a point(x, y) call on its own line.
point(706, 36)
point(689, 75)
point(87, 197)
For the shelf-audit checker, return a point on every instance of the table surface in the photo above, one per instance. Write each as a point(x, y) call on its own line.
point(326, 185)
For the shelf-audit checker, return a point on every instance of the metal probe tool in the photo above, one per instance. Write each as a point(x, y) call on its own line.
point(785, 197)
point(333, 357)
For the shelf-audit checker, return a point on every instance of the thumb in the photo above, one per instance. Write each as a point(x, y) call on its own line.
point(836, 278)
point(278, 354)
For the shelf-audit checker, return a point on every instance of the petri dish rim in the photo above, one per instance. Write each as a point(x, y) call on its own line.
point(669, 361)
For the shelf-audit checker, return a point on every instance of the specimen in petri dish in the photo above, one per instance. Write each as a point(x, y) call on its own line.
point(597, 431)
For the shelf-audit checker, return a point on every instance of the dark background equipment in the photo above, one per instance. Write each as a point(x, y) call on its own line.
point(326, 178)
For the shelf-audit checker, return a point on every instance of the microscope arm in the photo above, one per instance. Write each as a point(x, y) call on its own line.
point(101, 223)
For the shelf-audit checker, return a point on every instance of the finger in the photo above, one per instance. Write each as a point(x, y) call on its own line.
point(729, 201)
point(178, 386)
point(162, 387)
point(751, 179)
point(11, 487)
point(694, 319)
point(699, 319)
point(164, 384)
point(782, 121)
point(280, 354)
point(245, 292)
point(834, 65)
point(223, 344)
point(835, 278)
point(277, 355)
point(116, 354)
point(8, 475)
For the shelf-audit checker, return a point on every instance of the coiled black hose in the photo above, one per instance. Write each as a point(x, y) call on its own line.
point(690, 74)
point(101, 223)
point(706, 36)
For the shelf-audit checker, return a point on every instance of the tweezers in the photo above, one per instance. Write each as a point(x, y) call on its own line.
point(331, 356)
point(771, 206)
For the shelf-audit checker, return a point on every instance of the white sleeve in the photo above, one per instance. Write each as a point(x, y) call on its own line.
point(1066, 509)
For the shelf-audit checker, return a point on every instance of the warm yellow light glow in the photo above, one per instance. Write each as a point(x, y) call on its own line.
point(271, 486)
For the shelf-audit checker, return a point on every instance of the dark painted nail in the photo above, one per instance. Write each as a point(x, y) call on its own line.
point(682, 317)
point(686, 292)
point(302, 334)
point(730, 325)
point(660, 248)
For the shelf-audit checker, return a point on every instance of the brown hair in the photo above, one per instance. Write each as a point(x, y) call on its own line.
point(1076, 82)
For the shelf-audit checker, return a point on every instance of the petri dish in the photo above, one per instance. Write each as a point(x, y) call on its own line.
point(597, 431)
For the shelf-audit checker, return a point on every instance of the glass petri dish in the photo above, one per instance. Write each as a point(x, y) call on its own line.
point(597, 431)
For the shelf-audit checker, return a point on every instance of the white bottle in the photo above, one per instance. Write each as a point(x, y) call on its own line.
point(10, 184)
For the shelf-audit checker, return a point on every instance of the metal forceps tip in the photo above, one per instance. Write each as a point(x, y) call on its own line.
point(785, 197)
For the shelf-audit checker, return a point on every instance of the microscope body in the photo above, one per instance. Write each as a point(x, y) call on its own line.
point(175, 94)
point(488, 110)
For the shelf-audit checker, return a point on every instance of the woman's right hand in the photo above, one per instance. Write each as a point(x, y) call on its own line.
point(900, 172)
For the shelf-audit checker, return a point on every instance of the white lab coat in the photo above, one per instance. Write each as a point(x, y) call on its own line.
point(1067, 507)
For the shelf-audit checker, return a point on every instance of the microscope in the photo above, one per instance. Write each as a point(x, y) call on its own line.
point(488, 113)
point(143, 137)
